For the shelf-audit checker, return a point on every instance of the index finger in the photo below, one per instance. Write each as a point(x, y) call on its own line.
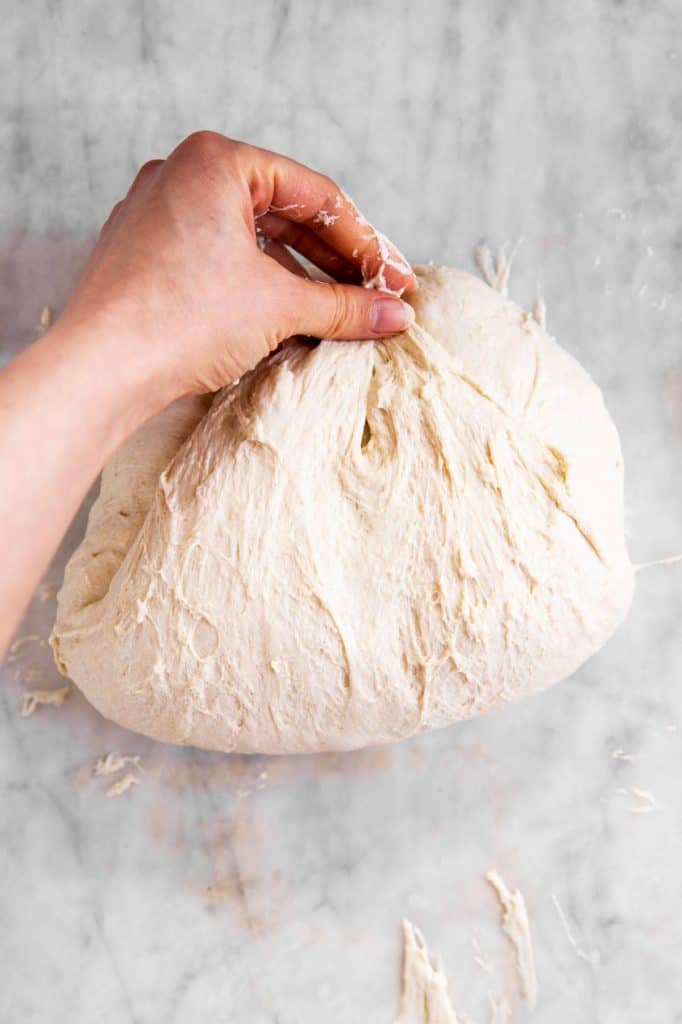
point(295, 192)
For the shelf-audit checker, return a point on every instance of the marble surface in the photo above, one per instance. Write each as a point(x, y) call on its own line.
point(271, 890)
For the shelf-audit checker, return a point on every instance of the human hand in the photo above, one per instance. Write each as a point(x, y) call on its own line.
point(177, 297)
point(179, 273)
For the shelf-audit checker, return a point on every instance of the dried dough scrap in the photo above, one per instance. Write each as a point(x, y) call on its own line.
point(517, 929)
point(424, 995)
point(356, 542)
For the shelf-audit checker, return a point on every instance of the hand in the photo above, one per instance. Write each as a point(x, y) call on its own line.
point(178, 297)
point(178, 268)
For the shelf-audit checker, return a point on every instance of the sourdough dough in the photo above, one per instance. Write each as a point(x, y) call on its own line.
point(356, 542)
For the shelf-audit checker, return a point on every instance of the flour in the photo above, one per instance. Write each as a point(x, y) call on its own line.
point(327, 220)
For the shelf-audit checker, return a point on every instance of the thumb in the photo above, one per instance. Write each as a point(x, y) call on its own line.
point(344, 311)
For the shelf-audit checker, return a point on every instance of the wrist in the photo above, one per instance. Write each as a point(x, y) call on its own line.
point(111, 368)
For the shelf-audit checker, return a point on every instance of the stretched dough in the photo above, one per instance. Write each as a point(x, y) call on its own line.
point(356, 542)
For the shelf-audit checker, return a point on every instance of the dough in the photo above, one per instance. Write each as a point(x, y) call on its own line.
point(517, 929)
point(357, 541)
point(424, 995)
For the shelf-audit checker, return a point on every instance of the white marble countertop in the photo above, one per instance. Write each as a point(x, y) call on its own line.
point(271, 890)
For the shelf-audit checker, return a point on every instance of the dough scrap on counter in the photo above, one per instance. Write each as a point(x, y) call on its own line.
point(517, 929)
point(356, 542)
point(495, 270)
point(424, 995)
point(122, 785)
point(33, 699)
point(16, 648)
point(21, 642)
point(111, 763)
point(500, 1010)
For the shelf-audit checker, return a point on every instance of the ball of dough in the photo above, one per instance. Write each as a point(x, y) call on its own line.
point(356, 542)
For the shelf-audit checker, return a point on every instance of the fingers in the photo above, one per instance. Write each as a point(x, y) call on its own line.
point(305, 241)
point(343, 311)
point(295, 193)
point(302, 196)
point(333, 217)
point(144, 176)
point(281, 254)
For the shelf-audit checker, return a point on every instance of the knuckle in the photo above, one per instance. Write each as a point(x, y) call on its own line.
point(329, 186)
point(149, 165)
point(145, 170)
point(206, 146)
point(331, 192)
point(237, 149)
point(340, 312)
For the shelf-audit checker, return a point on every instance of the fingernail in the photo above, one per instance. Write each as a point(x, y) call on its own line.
point(390, 316)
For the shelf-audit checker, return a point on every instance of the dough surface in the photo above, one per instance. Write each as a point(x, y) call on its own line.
point(356, 542)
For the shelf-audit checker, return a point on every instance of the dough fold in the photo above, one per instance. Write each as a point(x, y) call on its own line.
point(356, 542)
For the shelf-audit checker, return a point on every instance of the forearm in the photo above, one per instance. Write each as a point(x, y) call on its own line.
point(65, 404)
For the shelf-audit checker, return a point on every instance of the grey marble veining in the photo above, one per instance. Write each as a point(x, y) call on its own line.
point(270, 890)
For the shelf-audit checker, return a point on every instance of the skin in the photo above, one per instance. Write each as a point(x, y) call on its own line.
point(178, 297)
